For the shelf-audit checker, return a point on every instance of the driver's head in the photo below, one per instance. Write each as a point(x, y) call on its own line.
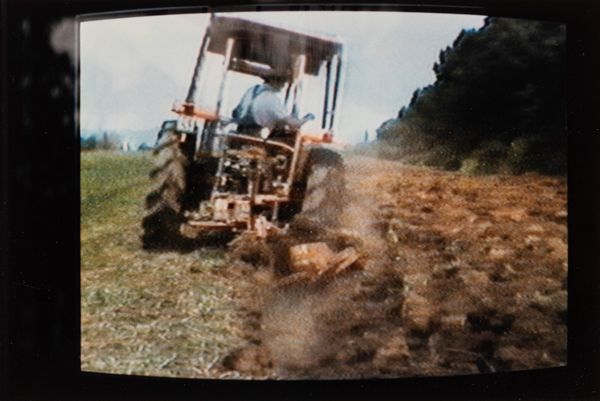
point(276, 81)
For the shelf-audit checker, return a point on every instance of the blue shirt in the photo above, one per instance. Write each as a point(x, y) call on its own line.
point(261, 105)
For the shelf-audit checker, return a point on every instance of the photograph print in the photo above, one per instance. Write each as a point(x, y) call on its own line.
point(322, 195)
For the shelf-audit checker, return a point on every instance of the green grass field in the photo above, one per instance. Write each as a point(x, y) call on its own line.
point(145, 313)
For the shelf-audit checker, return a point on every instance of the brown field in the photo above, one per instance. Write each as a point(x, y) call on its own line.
point(460, 274)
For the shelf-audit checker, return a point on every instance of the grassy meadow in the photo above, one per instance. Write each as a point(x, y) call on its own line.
point(145, 313)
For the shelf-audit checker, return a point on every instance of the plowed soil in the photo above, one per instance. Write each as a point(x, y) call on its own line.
point(459, 274)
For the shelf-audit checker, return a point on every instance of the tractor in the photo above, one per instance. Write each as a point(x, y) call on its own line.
point(209, 177)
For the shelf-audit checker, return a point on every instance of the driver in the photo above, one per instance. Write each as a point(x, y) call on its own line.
point(261, 107)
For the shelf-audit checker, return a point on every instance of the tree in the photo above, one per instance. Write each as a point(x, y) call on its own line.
point(88, 143)
point(109, 141)
point(497, 87)
point(144, 147)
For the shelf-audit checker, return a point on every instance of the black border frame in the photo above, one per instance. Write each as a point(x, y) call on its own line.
point(39, 227)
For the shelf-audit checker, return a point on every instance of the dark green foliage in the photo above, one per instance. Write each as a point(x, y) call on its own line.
point(105, 141)
point(144, 147)
point(89, 143)
point(498, 104)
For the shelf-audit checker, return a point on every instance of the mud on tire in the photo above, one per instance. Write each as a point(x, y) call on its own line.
point(325, 188)
point(164, 203)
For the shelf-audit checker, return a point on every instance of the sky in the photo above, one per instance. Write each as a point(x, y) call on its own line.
point(133, 69)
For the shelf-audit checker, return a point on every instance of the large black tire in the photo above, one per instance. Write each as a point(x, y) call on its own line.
point(164, 203)
point(200, 181)
point(324, 187)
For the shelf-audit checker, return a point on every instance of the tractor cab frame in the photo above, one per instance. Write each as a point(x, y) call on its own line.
point(237, 182)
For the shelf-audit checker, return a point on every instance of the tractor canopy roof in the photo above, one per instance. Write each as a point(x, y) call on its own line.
point(275, 48)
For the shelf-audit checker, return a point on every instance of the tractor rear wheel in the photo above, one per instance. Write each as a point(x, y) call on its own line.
point(325, 187)
point(164, 203)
